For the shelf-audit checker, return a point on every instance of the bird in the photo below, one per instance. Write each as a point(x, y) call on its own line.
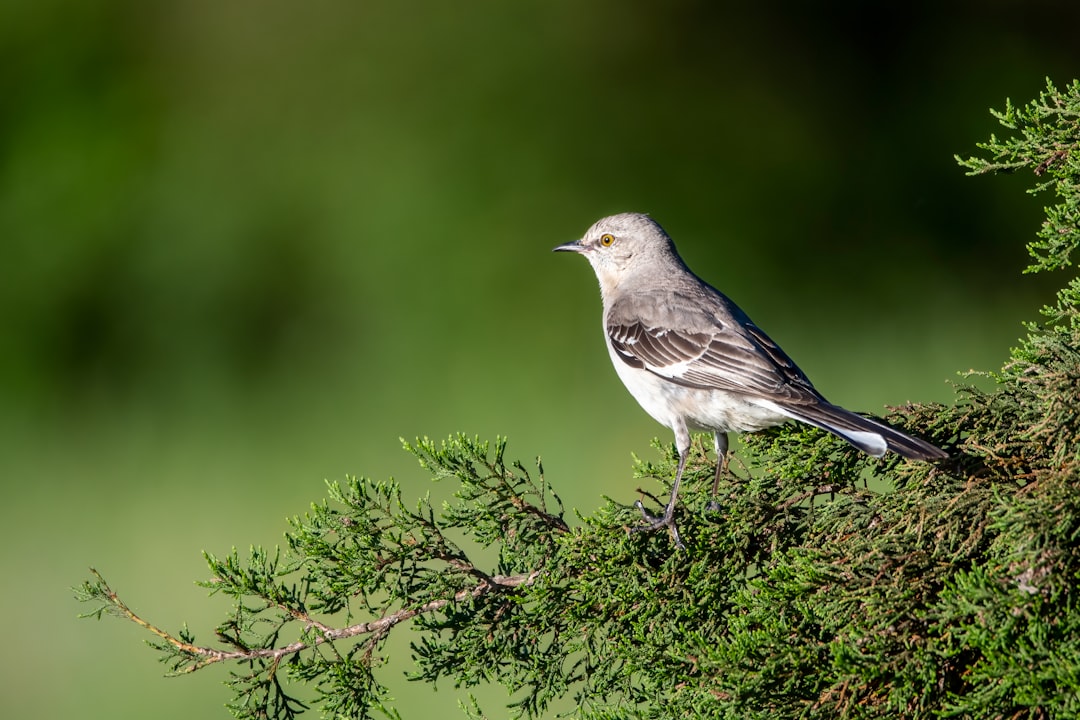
point(694, 360)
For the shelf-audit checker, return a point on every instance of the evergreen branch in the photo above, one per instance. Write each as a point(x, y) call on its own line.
point(208, 656)
point(100, 590)
point(1046, 139)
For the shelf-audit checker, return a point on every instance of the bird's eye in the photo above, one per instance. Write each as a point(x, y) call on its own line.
point(607, 239)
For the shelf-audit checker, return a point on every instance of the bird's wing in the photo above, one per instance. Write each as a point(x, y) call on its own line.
point(703, 340)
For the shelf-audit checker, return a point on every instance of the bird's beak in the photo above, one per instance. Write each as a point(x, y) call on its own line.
point(575, 246)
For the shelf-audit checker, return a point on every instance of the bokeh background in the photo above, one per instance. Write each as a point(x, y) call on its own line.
point(244, 247)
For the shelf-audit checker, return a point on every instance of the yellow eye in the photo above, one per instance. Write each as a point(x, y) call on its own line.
point(607, 239)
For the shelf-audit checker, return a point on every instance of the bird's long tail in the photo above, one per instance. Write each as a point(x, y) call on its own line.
point(871, 436)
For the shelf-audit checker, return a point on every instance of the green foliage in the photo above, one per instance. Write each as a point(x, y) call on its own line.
point(1045, 136)
point(808, 595)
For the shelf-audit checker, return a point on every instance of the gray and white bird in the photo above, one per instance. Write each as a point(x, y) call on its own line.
point(694, 360)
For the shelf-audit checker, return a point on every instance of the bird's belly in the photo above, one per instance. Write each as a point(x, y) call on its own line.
point(714, 410)
point(723, 411)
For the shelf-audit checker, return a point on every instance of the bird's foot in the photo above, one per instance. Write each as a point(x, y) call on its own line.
point(655, 522)
point(714, 506)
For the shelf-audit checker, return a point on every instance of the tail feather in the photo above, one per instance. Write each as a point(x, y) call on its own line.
point(871, 436)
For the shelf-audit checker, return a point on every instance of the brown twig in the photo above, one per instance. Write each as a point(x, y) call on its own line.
point(209, 656)
point(813, 492)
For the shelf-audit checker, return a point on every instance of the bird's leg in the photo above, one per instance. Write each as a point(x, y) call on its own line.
point(720, 441)
point(655, 522)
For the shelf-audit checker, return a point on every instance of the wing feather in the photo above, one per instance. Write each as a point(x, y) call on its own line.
point(705, 342)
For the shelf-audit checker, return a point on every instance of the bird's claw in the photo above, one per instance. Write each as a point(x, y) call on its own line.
point(655, 522)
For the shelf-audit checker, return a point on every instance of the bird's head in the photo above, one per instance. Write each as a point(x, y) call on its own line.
point(622, 246)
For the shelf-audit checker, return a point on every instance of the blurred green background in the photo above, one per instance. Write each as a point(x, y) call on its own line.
point(246, 246)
